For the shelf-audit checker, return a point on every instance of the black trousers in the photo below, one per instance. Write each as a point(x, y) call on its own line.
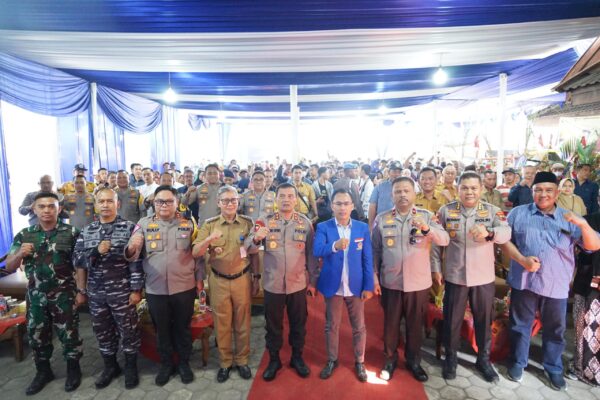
point(172, 315)
point(481, 300)
point(412, 306)
point(297, 314)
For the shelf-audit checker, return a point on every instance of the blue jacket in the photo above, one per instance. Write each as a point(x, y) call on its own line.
point(360, 258)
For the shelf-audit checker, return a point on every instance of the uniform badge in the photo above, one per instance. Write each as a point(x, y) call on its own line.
point(72, 212)
point(251, 209)
point(272, 245)
point(87, 213)
point(152, 225)
point(203, 202)
point(149, 237)
point(483, 213)
point(157, 237)
point(389, 221)
point(359, 245)
point(452, 234)
point(272, 224)
point(390, 242)
point(153, 245)
point(300, 246)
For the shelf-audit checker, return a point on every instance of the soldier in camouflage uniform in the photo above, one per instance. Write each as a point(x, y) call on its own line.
point(45, 250)
point(113, 286)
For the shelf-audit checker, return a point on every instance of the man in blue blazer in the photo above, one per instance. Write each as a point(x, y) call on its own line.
point(346, 277)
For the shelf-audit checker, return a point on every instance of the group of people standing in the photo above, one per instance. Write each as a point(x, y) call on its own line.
point(412, 235)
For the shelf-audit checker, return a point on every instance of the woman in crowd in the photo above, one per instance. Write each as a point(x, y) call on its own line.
point(567, 199)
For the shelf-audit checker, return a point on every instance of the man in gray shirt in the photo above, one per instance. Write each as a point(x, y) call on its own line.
point(401, 240)
point(288, 238)
point(26, 208)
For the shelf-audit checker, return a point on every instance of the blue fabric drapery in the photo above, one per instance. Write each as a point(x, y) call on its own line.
point(74, 145)
point(6, 232)
point(198, 122)
point(41, 89)
point(165, 140)
point(109, 144)
point(130, 112)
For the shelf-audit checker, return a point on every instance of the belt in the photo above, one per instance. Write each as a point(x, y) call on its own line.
point(231, 277)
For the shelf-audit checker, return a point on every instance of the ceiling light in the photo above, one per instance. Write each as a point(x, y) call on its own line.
point(170, 96)
point(440, 77)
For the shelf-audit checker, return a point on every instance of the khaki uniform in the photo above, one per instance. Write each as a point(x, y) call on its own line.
point(257, 206)
point(493, 197)
point(132, 204)
point(288, 254)
point(440, 187)
point(306, 196)
point(401, 254)
point(167, 255)
point(469, 273)
point(206, 196)
point(80, 209)
point(398, 264)
point(433, 204)
point(468, 262)
point(171, 276)
point(69, 188)
point(230, 286)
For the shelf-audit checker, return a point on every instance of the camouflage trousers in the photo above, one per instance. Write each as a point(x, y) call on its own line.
point(53, 309)
point(114, 321)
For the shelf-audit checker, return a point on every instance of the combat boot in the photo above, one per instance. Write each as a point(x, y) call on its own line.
point(110, 372)
point(43, 375)
point(73, 375)
point(131, 372)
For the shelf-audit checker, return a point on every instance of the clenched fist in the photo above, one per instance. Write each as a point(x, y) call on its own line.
point(104, 247)
point(342, 244)
point(26, 249)
point(136, 243)
point(261, 233)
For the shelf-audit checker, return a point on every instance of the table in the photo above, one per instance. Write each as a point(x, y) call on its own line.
point(14, 328)
point(201, 326)
point(500, 346)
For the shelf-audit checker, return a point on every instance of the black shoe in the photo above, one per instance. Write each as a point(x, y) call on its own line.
point(388, 370)
point(131, 372)
point(111, 371)
point(361, 372)
point(557, 382)
point(185, 372)
point(271, 370)
point(328, 369)
point(43, 376)
point(165, 371)
point(73, 375)
point(300, 366)
point(244, 371)
point(223, 374)
point(449, 368)
point(488, 372)
point(418, 372)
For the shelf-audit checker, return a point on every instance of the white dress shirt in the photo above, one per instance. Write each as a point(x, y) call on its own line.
point(344, 232)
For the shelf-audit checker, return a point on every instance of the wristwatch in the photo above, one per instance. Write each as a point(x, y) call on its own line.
point(82, 291)
point(491, 234)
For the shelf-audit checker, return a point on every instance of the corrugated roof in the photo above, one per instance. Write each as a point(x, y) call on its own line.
point(585, 72)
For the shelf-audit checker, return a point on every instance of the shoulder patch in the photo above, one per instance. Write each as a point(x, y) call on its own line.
point(212, 219)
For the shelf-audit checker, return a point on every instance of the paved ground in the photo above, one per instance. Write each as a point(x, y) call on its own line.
point(14, 377)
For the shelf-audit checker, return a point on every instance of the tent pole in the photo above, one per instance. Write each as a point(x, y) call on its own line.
point(500, 159)
point(295, 122)
point(93, 127)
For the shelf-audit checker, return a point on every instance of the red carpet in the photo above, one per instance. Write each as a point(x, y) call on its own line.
point(343, 384)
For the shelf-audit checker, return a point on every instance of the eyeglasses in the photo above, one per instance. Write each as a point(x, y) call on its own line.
point(342, 203)
point(160, 203)
point(229, 201)
point(413, 236)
